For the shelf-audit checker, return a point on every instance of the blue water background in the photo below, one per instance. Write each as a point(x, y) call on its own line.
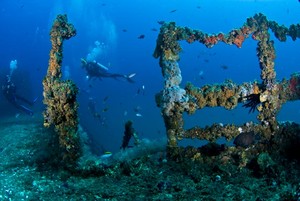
point(25, 26)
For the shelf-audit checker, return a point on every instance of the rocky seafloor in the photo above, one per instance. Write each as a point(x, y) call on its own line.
point(29, 172)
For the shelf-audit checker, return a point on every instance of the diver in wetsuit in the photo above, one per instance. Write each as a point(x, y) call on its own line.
point(97, 70)
point(9, 91)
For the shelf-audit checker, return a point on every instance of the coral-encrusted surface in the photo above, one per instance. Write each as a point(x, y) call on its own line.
point(60, 95)
point(267, 97)
point(28, 172)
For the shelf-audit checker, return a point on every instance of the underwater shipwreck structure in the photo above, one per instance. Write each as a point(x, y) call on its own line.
point(267, 97)
point(60, 95)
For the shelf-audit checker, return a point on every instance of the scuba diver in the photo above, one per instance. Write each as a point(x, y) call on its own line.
point(9, 91)
point(97, 70)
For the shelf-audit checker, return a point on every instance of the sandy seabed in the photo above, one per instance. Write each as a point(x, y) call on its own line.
point(29, 173)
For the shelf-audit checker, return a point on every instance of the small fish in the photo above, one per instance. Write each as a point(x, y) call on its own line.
point(105, 109)
point(106, 155)
point(141, 90)
point(138, 115)
point(153, 29)
point(198, 7)
point(17, 115)
point(124, 30)
point(173, 11)
point(162, 22)
point(142, 36)
point(224, 67)
point(131, 75)
point(246, 139)
point(125, 113)
point(105, 99)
